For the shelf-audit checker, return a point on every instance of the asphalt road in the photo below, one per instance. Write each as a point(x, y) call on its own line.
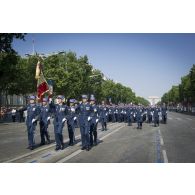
point(173, 142)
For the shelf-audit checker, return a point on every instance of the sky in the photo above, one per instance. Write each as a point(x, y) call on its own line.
point(148, 63)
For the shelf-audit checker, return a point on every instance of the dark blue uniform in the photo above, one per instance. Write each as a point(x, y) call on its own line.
point(84, 110)
point(32, 116)
point(149, 115)
point(116, 112)
point(129, 115)
point(156, 116)
point(164, 114)
point(60, 113)
point(71, 118)
point(45, 115)
point(139, 117)
point(103, 110)
point(93, 124)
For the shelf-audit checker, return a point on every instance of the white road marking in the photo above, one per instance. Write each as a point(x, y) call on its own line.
point(41, 149)
point(70, 156)
point(165, 158)
point(161, 139)
point(79, 151)
point(170, 118)
point(189, 119)
point(54, 153)
point(179, 119)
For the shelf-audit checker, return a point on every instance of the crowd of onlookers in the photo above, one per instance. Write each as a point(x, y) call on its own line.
point(12, 114)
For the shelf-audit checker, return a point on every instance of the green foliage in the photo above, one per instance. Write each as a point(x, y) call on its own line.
point(185, 92)
point(71, 75)
point(6, 40)
point(8, 62)
point(142, 101)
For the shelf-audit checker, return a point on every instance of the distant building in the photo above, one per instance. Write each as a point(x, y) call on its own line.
point(153, 100)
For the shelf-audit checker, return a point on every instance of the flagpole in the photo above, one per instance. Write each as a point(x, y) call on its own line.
point(33, 46)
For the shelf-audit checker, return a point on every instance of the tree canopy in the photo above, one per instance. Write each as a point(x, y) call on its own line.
point(184, 92)
point(71, 75)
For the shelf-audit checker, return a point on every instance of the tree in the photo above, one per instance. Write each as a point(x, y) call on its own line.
point(183, 93)
point(142, 101)
point(8, 62)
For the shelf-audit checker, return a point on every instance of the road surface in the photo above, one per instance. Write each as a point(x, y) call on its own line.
point(173, 142)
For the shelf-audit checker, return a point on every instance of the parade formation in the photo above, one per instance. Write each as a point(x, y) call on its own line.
point(86, 115)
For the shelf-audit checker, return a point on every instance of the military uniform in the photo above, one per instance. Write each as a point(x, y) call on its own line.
point(94, 122)
point(156, 116)
point(45, 116)
point(149, 115)
point(71, 118)
point(139, 117)
point(33, 111)
point(84, 110)
point(60, 113)
point(103, 110)
point(164, 114)
point(129, 115)
point(116, 113)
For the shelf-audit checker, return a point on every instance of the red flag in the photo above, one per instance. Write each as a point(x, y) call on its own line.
point(42, 85)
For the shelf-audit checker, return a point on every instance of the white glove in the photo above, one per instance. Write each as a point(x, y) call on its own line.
point(96, 120)
point(48, 118)
point(33, 120)
point(64, 119)
point(89, 118)
point(50, 100)
point(75, 118)
point(106, 114)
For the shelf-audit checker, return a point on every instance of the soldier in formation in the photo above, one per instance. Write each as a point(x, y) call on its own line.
point(86, 115)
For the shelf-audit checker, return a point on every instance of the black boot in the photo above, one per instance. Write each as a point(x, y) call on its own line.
point(48, 141)
point(102, 128)
point(105, 126)
point(83, 148)
point(88, 148)
point(57, 148)
point(72, 139)
point(42, 143)
point(31, 147)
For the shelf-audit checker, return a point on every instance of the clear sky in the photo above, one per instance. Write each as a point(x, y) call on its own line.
point(148, 63)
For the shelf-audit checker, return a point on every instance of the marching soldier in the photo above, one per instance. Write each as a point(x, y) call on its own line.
point(32, 116)
point(113, 114)
point(129, 115)
point(71, 122)
point(110, 114)
point(103, 116)
point(45, 116)
point(164, 114)
point(116, 113)
point(139, 117)
point(149, 115)
point(84, 110)
point(60, 113)
point(156, 115)
point(94, 122)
